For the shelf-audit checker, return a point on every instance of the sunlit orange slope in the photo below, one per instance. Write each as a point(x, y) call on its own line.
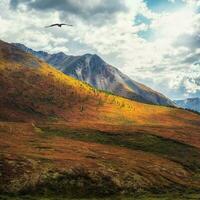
point(32, 90)
point(60, 134)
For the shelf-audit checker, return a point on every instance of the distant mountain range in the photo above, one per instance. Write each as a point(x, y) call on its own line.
point(190, 103)
point(96, 72)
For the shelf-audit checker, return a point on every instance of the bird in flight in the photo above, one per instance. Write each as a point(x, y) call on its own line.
point(59, 25)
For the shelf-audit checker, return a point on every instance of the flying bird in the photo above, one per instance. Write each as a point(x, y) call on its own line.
point(59, 25)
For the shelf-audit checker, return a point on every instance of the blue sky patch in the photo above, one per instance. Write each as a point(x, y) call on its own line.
point(164, 5)
point(147, 35)
point(140, 19)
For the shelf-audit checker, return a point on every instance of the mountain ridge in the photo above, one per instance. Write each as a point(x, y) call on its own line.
point(95, 71)
point(189, 103)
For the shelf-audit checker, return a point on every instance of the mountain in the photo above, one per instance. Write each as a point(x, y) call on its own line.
point(60, 136)
point(190, 103)
point(96, 72)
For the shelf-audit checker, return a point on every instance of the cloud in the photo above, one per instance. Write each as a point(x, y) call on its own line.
point(95, 11)
point(20, 27)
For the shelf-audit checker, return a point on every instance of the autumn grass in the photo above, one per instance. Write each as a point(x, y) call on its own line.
point(34, 92)
point(184, 154)
point(170, 196)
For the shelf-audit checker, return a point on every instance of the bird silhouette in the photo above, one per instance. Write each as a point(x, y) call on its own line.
point(59, 25)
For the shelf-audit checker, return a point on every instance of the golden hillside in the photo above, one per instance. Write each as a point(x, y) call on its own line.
point(55, 128)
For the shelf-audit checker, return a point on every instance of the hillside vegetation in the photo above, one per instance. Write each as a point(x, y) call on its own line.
point(59, 135)
point(94, 70)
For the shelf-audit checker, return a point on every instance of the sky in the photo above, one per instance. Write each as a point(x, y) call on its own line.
point(155, 42)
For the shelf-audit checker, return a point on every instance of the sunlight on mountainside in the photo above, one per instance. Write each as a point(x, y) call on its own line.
point(99, 100)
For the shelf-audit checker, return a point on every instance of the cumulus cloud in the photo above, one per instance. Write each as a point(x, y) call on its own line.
point(95, 11)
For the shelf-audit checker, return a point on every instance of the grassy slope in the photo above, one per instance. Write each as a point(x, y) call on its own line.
point(29, 93)
point(142, 147)
point(143, 197)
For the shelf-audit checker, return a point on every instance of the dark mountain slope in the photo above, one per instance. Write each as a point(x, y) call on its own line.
point(96, 72)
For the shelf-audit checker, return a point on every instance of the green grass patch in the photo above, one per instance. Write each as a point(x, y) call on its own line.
point(184, 154)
